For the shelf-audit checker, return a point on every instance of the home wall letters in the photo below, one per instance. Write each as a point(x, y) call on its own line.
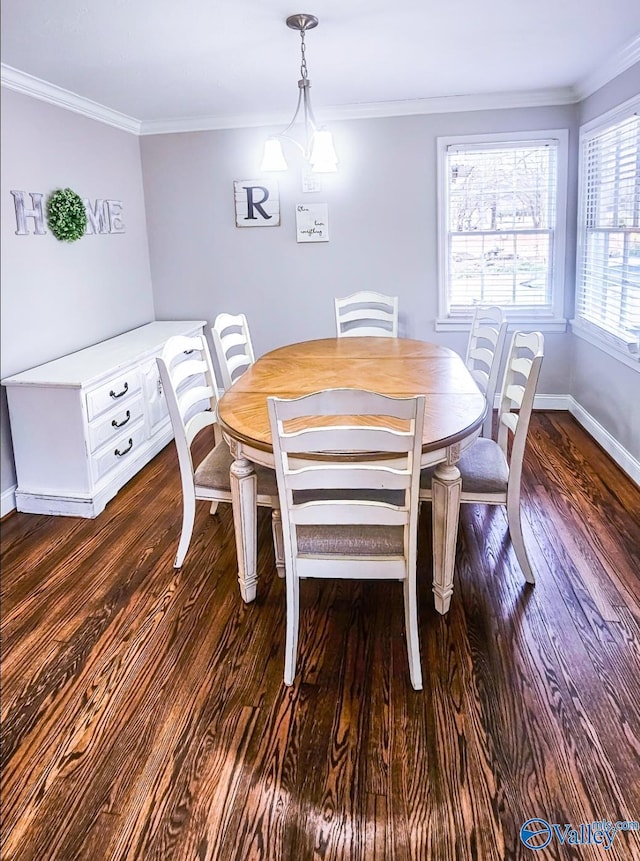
point(104, 216)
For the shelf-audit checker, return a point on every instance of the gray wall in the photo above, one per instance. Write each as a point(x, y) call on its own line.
point(58, 297)
point(609, 390)
point(382, 227)
point(382, 217)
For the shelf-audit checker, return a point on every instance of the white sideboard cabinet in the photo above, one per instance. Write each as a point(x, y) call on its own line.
point(84, 424)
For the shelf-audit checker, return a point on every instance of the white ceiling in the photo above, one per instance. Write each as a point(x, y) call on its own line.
point(234, 62)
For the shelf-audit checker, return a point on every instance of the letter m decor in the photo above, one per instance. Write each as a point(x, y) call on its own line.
point(257, 203)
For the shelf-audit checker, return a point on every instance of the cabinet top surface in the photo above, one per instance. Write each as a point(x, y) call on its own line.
point(84, 366)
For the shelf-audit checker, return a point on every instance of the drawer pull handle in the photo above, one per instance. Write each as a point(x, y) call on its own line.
point(124, 451)
point(121, 424)
point(119, 394)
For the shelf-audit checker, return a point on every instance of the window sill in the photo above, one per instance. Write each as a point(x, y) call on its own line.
point(529, 324)
point(608, 345)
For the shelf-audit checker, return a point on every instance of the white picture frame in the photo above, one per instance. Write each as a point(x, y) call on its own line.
point(312, 222)
point(257, 203)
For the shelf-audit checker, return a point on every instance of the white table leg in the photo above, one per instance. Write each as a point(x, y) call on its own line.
point(244, 484)
point(446, 486)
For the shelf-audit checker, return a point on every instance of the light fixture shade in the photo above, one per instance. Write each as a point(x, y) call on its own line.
point(273, 157)
point(323, 158)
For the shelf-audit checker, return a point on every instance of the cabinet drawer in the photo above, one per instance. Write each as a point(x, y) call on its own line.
point(117, 390)
point(113, 423)
point(119, 451)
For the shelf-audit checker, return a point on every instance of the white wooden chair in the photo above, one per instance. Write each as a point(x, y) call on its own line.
point(367, 313)
point(348, 519)
point(232, 342)
point(489, 474)
point(484, 354)
point(190, 387)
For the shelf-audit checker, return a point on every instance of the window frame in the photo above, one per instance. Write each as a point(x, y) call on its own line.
point(549, 319)
point(583, 328)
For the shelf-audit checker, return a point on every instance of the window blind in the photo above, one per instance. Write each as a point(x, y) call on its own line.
point(501, 219)
point(608, 276)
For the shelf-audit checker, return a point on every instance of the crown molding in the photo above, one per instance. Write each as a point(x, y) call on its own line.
point(21, 82)
point(457, 104)
point(373, 110)
point(622, 60)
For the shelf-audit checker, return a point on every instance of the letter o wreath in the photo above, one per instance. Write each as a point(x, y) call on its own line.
point(66, 215)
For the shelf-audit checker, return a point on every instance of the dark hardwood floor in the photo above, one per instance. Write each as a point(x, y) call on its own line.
point(144, 714)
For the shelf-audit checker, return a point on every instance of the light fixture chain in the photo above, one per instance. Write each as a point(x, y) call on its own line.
point(303, 62)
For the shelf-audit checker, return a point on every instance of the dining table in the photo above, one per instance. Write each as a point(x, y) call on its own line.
point(400, 367)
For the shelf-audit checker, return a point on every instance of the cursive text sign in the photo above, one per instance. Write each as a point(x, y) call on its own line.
point(312, 222)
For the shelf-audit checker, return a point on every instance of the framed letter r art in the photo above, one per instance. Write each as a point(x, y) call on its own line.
point(257, 203)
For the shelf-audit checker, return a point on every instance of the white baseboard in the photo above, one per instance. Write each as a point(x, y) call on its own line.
point(625, 460)
point(551, 402)
point(545, 402)
point(8, 500)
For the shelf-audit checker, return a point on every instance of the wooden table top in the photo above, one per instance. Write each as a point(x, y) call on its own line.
point(393, 366)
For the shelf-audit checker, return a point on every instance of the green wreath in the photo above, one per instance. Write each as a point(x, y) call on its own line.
point(66, 215)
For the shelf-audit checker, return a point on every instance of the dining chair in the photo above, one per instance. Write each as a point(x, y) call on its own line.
point(232, 342)
point(356, 518)
point(191, 392)
point(367, 313)
point(484, 354)
point(489, 473)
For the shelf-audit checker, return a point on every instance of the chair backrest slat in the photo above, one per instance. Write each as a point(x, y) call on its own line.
point(481, 377)
point(522, 365)
point(348, 513)
point(187, 368)
point(510, 421)
point(194, 392)
point(515, 392)
point(232, 343)
point(195, 424)
point(345, 402)
point(345, 439)
point(484, 354)
point(190, 388)
point(343, 477)
point(366, 313)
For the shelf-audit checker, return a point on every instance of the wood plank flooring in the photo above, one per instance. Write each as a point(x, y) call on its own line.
point(144, 714)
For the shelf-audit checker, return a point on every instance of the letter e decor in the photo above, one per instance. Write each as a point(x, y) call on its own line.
point(257, 203)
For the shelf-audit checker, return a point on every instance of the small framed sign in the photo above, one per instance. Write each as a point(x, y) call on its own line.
point(312, 222)
point(257, 203)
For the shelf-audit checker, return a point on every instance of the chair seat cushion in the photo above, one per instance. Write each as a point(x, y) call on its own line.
point(213, 472)
point(350, 540)
point(483, 468)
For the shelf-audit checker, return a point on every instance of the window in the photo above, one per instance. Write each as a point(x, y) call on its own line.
point(502, 208)
point(608, 262)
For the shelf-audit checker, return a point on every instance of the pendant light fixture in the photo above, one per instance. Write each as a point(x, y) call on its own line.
point(317, 149)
